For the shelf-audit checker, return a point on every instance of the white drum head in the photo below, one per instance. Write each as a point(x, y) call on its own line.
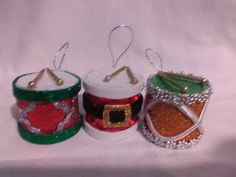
point(119, 87)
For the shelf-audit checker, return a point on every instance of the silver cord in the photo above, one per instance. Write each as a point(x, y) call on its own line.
point(64, 47)
point(151, 61)
point(114, 59)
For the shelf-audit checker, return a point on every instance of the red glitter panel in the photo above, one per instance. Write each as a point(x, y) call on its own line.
point(68, 102)
point(46, 117)
point(22, 104)
point(71, 122)
point(97, 101)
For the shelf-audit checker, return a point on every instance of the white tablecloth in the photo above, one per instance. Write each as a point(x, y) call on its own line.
point(193, 36)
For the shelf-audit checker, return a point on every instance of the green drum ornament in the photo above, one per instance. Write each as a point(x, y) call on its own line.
point(48, 105)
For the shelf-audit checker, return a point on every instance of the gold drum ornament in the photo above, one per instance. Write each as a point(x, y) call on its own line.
point(174, 108)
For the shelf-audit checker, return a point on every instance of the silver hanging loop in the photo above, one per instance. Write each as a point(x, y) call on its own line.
point(162, 74)
point(64, 48)
point(114, 59)
point(151, 61)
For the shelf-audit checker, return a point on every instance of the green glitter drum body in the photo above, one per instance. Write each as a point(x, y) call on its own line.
point(45, 95)
point(49, 139)
point(48, 115)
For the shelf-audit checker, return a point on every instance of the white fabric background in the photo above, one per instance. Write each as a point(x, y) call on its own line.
point(197, 36)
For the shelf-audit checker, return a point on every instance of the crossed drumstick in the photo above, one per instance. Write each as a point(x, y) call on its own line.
point(33, 84)
point(131, 76)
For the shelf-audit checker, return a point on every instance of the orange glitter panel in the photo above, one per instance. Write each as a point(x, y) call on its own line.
point(169, 121)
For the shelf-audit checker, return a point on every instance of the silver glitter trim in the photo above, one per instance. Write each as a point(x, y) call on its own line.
point(23, 118)
point(70, 112)
point(179, 98)
point(168, 144)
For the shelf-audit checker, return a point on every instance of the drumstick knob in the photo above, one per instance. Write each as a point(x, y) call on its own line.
point(60, 82)
point(32, 84)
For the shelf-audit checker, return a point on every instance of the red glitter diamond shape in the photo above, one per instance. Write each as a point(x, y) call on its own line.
point(46, 117)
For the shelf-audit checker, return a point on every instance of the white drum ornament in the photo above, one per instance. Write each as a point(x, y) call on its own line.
point(112, 102)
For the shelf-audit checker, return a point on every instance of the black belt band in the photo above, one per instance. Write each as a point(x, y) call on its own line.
point(115, 116)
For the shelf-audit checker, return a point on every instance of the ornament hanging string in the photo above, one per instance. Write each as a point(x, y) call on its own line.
point(32, 84)
point(63, 48)
point(147, 51)
point(114, 59)
point(164, 75)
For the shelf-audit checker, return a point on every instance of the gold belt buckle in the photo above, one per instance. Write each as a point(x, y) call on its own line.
point(118, 107)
